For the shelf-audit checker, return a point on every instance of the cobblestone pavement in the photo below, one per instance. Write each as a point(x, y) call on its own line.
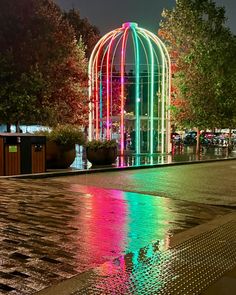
point(52, 229)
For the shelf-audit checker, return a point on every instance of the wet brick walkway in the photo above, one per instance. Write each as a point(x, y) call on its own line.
point(52, 230)
point(186, 269)
point(201, 260)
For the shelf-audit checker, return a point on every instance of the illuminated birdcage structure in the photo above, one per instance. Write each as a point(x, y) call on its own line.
point(129, 74)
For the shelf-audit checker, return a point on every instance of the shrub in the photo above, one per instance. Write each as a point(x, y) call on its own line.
point(97, 144)
point(64, 135)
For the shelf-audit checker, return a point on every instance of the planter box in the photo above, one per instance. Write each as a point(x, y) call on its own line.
point(101, 156)
point(59, 156)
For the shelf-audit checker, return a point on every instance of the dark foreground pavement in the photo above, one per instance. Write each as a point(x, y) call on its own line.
point(70, 235)
point(199, 261)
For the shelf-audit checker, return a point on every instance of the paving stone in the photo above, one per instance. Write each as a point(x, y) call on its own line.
point(53, 230)
point(188, 268)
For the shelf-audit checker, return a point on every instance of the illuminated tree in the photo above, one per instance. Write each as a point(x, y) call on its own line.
point(83, 29)
point(19, 93)
point(202, 51)
point(43, 66)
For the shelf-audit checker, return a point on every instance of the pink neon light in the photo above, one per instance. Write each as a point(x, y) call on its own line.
point(129, 24)
point(96, 98)
point(97, 84)
point(108, 86)
point(122, 73)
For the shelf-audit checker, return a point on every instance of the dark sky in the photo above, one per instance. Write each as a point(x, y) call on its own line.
point(108, 15)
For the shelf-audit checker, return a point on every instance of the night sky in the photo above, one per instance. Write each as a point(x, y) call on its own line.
point(108, 15)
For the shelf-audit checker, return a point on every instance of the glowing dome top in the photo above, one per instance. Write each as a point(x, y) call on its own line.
point(129, 24)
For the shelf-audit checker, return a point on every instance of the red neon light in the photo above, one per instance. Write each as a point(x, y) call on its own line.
point(97, 84)
point(108, 86)
point(122, 73)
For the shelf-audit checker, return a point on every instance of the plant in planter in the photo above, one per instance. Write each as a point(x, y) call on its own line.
point(101, 152)
point(60, 147)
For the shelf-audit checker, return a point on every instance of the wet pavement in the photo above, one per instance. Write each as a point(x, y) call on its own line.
point(178, 154)
point(206, 258)
point(55, 229)
point(208, 183)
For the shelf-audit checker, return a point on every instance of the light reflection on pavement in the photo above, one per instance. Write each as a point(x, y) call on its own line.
point(53, 229)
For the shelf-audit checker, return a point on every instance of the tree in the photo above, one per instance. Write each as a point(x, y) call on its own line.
point(203, 82)
point(83, 29)
point(115, 95)
point(43, 77)
point(226, 85)
point(18, 97)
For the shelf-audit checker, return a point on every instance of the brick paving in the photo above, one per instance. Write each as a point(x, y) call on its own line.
point(201, 260)
point(187, 269)
point(52, 230)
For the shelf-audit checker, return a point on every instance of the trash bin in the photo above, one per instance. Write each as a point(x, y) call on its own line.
point(10, 155)
point(22, 153)
point(33, 154)
point(1, 156)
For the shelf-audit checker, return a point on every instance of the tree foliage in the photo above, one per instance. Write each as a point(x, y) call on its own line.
point(202, 50)
point(43, 67)
point(83, 29)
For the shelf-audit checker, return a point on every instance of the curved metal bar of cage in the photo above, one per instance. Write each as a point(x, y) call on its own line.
point(163, 82)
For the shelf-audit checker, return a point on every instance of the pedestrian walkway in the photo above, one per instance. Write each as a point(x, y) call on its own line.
point(52, 230)
point(200, 261)
point(71, 236)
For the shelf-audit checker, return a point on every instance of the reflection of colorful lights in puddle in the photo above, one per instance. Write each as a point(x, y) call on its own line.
point(104, 224)
point(116, 222)
point(130, 48)
point(133, 273)
point(142, 160)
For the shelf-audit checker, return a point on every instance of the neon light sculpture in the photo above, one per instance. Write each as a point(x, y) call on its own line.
point(109, 63)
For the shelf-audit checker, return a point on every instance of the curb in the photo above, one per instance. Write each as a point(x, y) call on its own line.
point(109, 169)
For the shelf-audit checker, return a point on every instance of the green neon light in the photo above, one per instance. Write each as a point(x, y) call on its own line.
point(151, 85)
point(137, 91)
point(165, 92)
point(148, 94)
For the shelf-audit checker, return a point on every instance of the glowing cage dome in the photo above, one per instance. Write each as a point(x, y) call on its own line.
point(129, 74)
